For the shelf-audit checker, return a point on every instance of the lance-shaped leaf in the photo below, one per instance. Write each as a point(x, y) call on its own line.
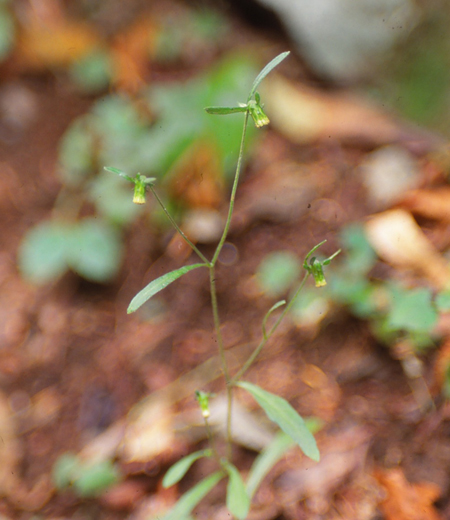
point(223, 111)
point(268, 68)
point(180, 468)
point(158, 285)
point(265, 461)
point(119, 172)
point(238, 502)
point(191, 498)
point(281, 412)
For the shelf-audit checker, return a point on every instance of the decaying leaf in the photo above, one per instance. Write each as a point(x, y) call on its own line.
point(398, 240)
point(60, 44)
point(149, 432)
point(405, 501)
point(130, 53)
point(304, 114)
point(433, 204)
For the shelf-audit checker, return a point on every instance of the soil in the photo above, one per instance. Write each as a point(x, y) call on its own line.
point(73, 363)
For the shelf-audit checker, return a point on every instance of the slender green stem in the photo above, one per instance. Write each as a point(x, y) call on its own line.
point(177, 227)
point(223, 359)
point(233, 193)
point(263, 342)
point(211, 439)
point(214, 294)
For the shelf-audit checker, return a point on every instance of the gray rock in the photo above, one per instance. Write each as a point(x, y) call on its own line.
point(341, 39)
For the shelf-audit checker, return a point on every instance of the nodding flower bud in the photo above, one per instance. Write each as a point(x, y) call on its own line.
point(315, 266)
point(258, 115)
point(140, 183)
point(139, 192)
point(317, 272)
point(203, 401)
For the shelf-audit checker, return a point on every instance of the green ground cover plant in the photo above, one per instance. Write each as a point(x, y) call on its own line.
point(293, 428)
point(398, 315)
point(152, 134)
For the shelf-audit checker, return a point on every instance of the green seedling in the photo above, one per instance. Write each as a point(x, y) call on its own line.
point(278, 410)
point(84, 478)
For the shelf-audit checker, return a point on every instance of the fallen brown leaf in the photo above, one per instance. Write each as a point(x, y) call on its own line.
point(433, 204)
point(398, 240)
point(405, 501)
point(304, 114)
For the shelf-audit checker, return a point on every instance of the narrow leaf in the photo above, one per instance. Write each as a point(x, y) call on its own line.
point(268, 68)
point(281, 412)
point(267, 459)
point(158, 285)
point(238, 502)
point(223, 111)
point(119, 172)
point(180, 468)
point(269, 312)
point(191, 498)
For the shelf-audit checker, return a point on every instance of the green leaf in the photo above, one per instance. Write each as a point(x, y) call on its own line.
point(95, 250)
point(238, 502)
point(191, 498)
point(42, 253)
point(277, 272)
point(95, 478)
point(281, 412)
point(272, 453)
point(92, 72)
point(76, 152)
point(361, 256)
point(65, 470)
point(268, 68)
point(412, 310)
point(267, 459)
point(443, 301)
point(119, 172)
point(222, 111)
point(180, 468)
point(113, 199)
point(158, 285)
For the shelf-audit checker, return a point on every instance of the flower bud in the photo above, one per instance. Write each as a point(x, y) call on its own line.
point(259, 117)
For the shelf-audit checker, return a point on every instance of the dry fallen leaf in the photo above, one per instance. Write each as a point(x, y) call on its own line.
point(398, 240)
point(130, 54)
point(41, 46)
point(197, 178)
point(434, 204)
point(405, 501)
point(303, 114)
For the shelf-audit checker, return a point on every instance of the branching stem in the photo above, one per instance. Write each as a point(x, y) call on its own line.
point(263, 342)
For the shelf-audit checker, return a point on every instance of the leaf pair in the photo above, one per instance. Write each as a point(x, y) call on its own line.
point(253, 106)
point(239, 496)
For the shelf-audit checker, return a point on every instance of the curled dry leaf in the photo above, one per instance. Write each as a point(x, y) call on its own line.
point(398, 240)
point(405, 501)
